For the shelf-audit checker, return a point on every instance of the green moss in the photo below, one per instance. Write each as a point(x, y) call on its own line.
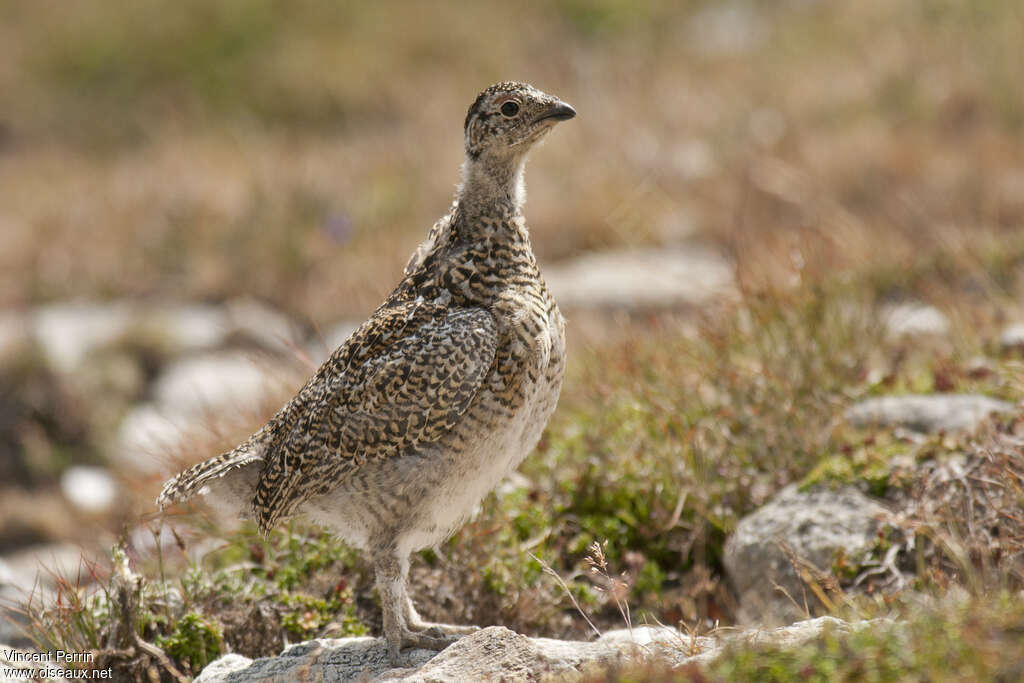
point(195, 640)
point(305, 615)
point(649, 579)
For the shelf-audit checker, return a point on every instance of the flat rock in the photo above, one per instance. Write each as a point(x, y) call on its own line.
point(641, 278)
point(926, 413)
point(496, 653)
point(493, 653)
point(815, 525)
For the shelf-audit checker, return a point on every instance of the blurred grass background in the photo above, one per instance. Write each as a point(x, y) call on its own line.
point(296, 151)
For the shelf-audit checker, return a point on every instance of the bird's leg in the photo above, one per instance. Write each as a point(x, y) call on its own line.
point(391, 572)
point(416, 623)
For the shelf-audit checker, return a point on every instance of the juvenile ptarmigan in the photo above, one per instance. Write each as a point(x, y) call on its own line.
point(430, 402)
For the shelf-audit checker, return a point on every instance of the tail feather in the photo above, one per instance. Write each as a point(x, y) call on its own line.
point(190, 482)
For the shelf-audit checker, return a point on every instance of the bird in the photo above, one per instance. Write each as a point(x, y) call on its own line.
point(445, 389)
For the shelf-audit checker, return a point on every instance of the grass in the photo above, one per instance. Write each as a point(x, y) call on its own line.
point(846, 156)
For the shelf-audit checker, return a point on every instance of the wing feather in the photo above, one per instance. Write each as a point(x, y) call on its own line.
point(401, 381)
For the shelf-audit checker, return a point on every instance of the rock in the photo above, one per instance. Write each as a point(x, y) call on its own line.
point(185, 395)
point(68, 332)
point(815, 525)
point(640, 278)
point(915, 319)
point(90, 489)
point(210, 382)
point(496, 653)
point(146, 436)
point(926, 413)
point(1012, 337)
point(493, 653)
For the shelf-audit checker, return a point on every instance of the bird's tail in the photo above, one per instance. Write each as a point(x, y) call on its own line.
point(238, 469)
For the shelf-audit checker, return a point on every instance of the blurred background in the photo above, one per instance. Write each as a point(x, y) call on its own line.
point(763, 211)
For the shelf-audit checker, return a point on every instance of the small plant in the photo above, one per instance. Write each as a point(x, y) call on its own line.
point(195, 641)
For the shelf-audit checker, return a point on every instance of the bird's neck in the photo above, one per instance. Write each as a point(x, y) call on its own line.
point(490, 197)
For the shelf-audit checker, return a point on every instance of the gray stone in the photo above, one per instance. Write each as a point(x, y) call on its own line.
point(641, 278)
point(489, 654)
point(926, 413)
point(915, 319)
point(496, 653)
point(815, 525)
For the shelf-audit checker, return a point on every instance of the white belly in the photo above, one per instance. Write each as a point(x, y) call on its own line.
point(492, 455)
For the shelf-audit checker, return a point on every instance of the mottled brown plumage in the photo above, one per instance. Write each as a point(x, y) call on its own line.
point(432, 400)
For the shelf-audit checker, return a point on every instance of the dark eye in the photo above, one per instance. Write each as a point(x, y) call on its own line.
point(510, 108)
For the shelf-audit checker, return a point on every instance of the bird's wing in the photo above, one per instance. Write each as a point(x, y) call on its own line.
point(401, 381)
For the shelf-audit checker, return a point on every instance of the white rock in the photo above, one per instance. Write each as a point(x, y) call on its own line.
point(640, 278)
point(926, 413)
point(145, 437)
point(1012, 337)
point(185, 396)
point(90, 489)
point(914, 319)
point(67, 332)
point(209, 382)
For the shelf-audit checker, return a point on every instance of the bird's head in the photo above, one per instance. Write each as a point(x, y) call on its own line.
point(508, 118)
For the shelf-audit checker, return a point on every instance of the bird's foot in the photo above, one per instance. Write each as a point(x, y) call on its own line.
point(427, 639)
point(441, 630)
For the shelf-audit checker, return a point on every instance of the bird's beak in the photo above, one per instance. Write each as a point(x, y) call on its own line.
point(558, 111)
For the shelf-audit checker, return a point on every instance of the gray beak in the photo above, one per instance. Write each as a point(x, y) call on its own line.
point(559, 111)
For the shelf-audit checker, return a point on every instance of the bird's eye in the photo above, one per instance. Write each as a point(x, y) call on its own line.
point(510, 108)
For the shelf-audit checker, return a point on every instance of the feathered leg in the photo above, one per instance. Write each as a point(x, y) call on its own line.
point(391, 574)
